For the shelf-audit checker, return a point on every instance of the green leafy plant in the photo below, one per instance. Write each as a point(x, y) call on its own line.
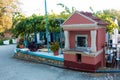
point(1, 42)
point(54, 46)
point(10, 41)
point(20, 43)
point(32, 46)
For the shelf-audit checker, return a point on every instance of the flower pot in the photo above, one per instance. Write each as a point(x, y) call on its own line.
point(21, 46)
point(56, 53)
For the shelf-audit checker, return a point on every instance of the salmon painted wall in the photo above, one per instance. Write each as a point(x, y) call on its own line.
point(77, 19)
point(101, 34)
point(85, 59)
point(92, 60)
point(74, 33)
point(70, 57)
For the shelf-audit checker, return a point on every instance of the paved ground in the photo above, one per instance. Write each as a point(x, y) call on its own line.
point(13, 69)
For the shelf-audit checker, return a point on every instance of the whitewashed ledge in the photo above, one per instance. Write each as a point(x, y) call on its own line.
point(41, 54)
point(92, 54)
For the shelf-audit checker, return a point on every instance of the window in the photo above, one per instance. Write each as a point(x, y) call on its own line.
point(81, 41)
point(79, 57)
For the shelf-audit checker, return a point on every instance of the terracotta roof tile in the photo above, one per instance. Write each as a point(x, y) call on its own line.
point(90, 15)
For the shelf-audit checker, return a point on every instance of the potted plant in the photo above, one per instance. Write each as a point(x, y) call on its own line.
point(21, 43)
point(54, 48)
point(32, 46)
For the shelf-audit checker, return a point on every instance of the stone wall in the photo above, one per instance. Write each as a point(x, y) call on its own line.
point(37, 59)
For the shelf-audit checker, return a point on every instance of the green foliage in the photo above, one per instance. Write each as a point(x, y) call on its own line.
point(67, 10)
point(54, 24)
point(54, 46)
point(32, 46)
point(21, 41)
point(34, 24)
point(1, 42)
point(108, 17)
point(115, 13)
point(17, 17)
point(30, 25)
point(10, 41)
point(7, 8)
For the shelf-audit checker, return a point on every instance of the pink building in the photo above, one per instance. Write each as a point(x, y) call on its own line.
point(84, 40)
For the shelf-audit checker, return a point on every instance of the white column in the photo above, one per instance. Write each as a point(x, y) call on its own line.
point(66, 33)
point(38, 38)
point(93, 40)
point(115, 37)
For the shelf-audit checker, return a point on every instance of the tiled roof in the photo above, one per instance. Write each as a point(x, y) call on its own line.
point(90, 15)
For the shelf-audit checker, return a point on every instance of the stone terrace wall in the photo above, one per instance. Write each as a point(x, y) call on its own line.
point(37, 59)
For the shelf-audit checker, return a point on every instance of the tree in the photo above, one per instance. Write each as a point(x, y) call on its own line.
point(29, 25)
point(6, 10)
point(16, 18)
point(66, 9)
point(34, 24)
point(54, 24)
point(115, 13)
point(108, 17)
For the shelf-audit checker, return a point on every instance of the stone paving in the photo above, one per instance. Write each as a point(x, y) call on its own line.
point(14, 69)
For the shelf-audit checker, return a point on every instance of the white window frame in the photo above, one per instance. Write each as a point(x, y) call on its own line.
point(86, 36)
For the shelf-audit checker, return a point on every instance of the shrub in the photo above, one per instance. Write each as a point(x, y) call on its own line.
point(54, 46)
point(32, 46)
point(1, 42)
point(10, 41)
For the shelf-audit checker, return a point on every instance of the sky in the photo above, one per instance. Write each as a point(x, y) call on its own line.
point(30, 7)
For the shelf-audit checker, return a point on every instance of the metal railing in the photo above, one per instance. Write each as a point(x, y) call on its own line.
point(112, 54)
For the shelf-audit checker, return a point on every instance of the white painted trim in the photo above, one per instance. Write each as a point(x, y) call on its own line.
point(67, 46)
point(79, 25)
point(69, 17)
point(83, 26)
point(94, 54)
point(93, 40)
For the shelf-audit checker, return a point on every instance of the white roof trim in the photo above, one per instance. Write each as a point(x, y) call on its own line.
point(69, 17)
point(79, 25)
